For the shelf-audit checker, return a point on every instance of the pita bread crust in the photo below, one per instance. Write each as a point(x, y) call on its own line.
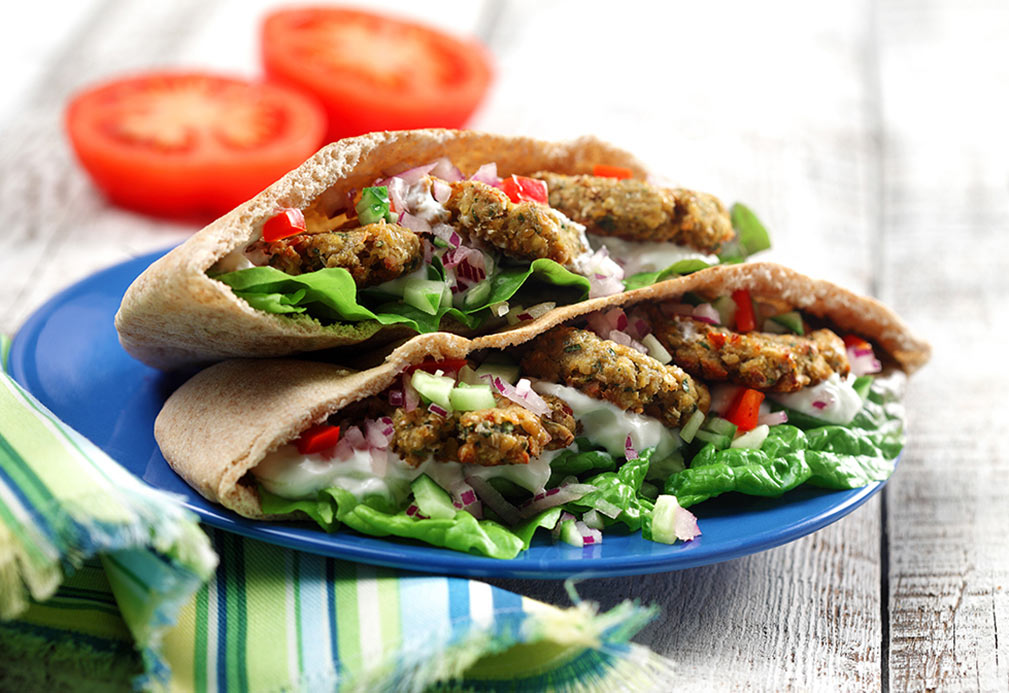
point(175, 315)
point(221, 423)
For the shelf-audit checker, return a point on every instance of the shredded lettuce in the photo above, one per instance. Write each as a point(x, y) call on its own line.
point(331, 295)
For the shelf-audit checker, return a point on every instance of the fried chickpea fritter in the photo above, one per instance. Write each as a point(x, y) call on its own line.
point(618, 374)
point(560, 423)
point(759, 360)
point(524, 230)
point(507, 434)
point(639, 211)
point(419, 434)
point(372, 254)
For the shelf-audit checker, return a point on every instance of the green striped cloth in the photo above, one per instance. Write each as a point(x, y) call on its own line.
point(107, 584)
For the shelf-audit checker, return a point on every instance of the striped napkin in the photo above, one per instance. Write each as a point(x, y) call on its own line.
point(106, 583)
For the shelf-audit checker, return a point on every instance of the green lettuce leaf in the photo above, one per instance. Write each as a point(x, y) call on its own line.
point(620, 488)
point(636, 281)
point(751, 236)
point(806, 450)
point(331, 295)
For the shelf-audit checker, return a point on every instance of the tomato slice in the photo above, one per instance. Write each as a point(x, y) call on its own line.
point(445, 365)
point(520, 188)
point(289, 222)
point(190, 144)
point(607, 171)
point(374, 72)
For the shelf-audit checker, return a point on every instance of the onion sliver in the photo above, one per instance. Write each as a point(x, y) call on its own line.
point(553, 498)
point(490, 496)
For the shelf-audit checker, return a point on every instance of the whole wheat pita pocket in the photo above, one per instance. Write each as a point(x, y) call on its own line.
point(175, 314)
point(217, 427)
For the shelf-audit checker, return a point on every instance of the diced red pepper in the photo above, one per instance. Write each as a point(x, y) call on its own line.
point(318, 438)
point(446, 365)
point(717, 339)
point(745, 409)
point(745, 321)
point(851, 340)
point(522, 189)
point(607, 171)
point(290, 222)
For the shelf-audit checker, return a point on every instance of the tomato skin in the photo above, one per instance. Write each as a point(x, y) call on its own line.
point(202, 175)
point(318, 438)
point(522, 189)
point(289, 222)
point(374, 72)
point(607, 171)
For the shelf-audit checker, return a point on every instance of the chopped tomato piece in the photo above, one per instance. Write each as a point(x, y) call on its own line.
point(522, 189)
point(318, 438)
point(375, 72)
point(607, 171)
point(289, 222)
point(717, 339)
point(745, 321)
point(745, 409)
point(189, 144)
point(856, 342)
point(446, 365)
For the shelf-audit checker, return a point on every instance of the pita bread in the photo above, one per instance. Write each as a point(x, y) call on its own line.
point(221, 423)
point(175, 315)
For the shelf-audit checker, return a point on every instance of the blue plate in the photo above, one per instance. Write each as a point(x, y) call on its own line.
point(68, 355)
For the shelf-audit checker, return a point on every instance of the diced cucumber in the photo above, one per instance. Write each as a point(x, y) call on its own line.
point(862, 385)
point(689, 429)
point(472, 397)
point(424, 294)
point(468, 376)
point(752, 439)
point(477, 294)
point(791, 320)
point(726, 308)
point(592, 519)
point(432, 500)
point(774, 327)
point(434, 388)
point(570, 534)
point(508, 372)
point(664, 519)
point(719, 441)
point(718, 425)
point(656, 350)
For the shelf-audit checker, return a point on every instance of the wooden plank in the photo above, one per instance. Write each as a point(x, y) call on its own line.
point(946, 216)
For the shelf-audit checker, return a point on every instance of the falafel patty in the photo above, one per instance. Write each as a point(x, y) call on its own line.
point(372, 254)
point(525, 230)
point(618, 374)
point(759, 360)
point(639, 211)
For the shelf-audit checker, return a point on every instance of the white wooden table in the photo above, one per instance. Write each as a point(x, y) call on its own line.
point(872, 138)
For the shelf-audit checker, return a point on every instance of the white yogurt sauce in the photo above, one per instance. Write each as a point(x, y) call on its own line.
point(648, 256)
point(608, 425)
point(840, 398)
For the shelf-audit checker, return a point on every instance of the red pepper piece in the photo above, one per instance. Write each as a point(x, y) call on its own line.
point(290, 222)
point(522, 189)
point(607, 171)
point(318, 438)
point(446, 365)
point(745, 409)
point(851, 340)
point(745, 322)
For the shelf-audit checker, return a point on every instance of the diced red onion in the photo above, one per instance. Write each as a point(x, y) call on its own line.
point(530, 399)
point(378, 433)
point(465, 498)
point(536, 311)
point(414, 511)
point(441, 191)
point(706, 312)
point(411, 176)
point(487, 174)
point(428, 251)
point(722, 397)
point(565, 516)
point(638, 328)
point(355, 437)
point(863, 361)
point(819, 404)
point(773, 418)
point(396, 398)
point(444, 169)
point(625, 339)
point(685, 525)
point(438, 409)
point(591, 519)
point(410, 395)
point(589, 536)
point(447, 234)
point(604, 287)
point(414, 223)
point(553, 498)
point(379, 461)
point(397, 194)
point(499, 309)
point(490, 496)
point(603, 323)
point(629, 452)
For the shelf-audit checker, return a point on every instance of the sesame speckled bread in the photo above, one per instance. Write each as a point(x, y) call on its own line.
point(175, 315)
point(223, 421)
